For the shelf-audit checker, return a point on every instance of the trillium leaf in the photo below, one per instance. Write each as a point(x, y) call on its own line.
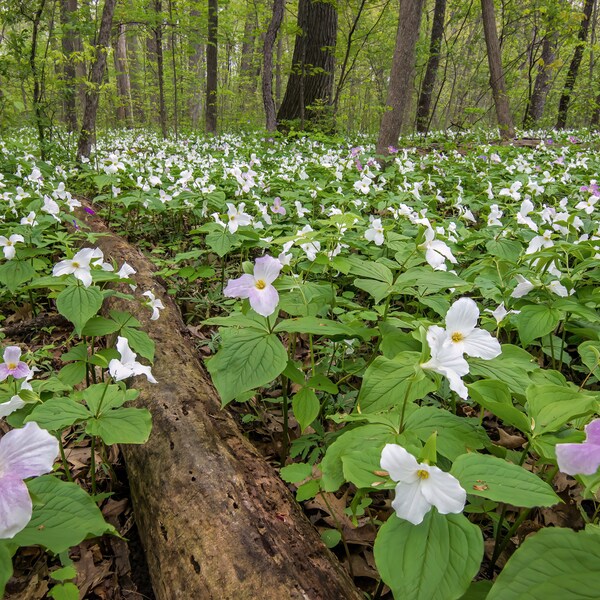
point(98, 325)
point(248, 359)
point(7, 549)
point(122, 426)
point(63, 516)
point(359, 467)
point(388, 381)
point(14, 273)
point(64, 591)
point(435, 560)
point(295, 472)
point(551, 406)
point(79, 304)
point(59, 412)
point(553, 564)
point(536, 320)
point(496, 479)
point(306, 407)
point(140, 342)
point(316, 326)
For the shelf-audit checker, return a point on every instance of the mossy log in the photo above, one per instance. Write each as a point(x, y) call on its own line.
point(215, 520)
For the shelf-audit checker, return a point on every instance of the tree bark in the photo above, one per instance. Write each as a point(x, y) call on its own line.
point(503, 115)
point(160, 69)
point(565, 98)
point(211, 67)
point(541, 87)
point(433, 63)
point(215, 520)
point(401, 76)
point(68, 8)
point(267, 78)
point(311, 78)
point(92, 95)
point(124, 109)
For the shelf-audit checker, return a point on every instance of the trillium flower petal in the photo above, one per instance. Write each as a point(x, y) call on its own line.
point(139, 369)
point(481, 344)
point(127, 354)
point(267, 268)
point(4, 372)
point(15, 506)
point(409, 503)
point(84, 275)
point(7, 408)
point(462, 316)
point(264, 301)
point(456, 383)
point(118, 371)
point(240, 287)
point(12, 354)
point(578, 459)
point(64, 267)
point(592, 432)
point(27, 452)
point(443, 491)
point(400, 464)
point(21, 370)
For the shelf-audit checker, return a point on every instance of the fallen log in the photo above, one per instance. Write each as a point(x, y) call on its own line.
point(215, 520)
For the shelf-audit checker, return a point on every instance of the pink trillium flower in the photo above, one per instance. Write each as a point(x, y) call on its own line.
point(128, 365)
point(13, 365)
point(420, 486)
point(26, 452)
point(258, 287)
point(584, 458)
point(277, 207)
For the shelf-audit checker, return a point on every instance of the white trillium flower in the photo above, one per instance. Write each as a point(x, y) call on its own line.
point(420, 486)
point(236, 217)
point(375, 232)
point(80, 266)
point(8, 245)
point(500, 313)
point(436, 251)
point(524, 286)
point(154, 303)
point(128, 365)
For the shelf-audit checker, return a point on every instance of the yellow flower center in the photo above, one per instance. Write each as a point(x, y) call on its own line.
point(423, 474)
point(231, 217)
point(260, 284)
point(12, 366)
point(76, 265)
point(457, 336)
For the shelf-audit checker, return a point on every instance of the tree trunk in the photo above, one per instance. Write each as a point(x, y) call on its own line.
point(215, 520)
point(68, 8)
point(433, 63)
point(92, 95)
point(247, 58)
point(565, 98)
point(541, 87)
point(267, 78)
point(124, 110)
point(278, 70)
point(505, 121)
point(401, 76)
point(135, 73)
point(211, 67)
point(311, 78)
point(37, 79)
point(160, 69)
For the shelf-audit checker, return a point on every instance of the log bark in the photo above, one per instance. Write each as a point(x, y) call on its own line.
point(215, 520)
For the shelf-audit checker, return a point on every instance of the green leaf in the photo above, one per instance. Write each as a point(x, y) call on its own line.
point(496, 479)
point(435, 560)
point(553, 564)
point(308, 490)
point(79, 304)
point(551, 406)
point(509, 250)
point(98, 326)
point(57, 413)
point(73, 373)
point(101, 397)
point(7, 549)
point(317, 327)
point(590, 356)
point(220, 242)
point(68, 572)
point(63, 516)
point(387, 382)
point(331, 537)
point(295, 472)
point(248, 359)
point(306, 407)
point(428, 281)
point(536, 320)
point(456, 435)
point(377, 289)
point(495, 396)
point(478, 590)
point(14, 273)
point(320, 382)
point(64, 591)
point(371, 270)
point(140, 342)
point(122, 426)
point(124, 319)
point(359, 467)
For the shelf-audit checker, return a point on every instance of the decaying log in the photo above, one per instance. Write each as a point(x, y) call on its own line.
point(215, 520)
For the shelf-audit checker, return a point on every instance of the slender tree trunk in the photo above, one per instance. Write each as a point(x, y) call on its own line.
point(197, 68)
point(174, 67)
point(211, 67)
point(135, 76)
point(278, 70)
point(37, 79)
point(247, 58)
point(541, 87)
point(401, 76)
point(68, 8)
point(565, 98)
point(311, 78)
point(124, 110)
point(92, 95)
point(505, 121)
point(160, 69)
point(267, 78)
point(433, 63)
point(595, 121)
